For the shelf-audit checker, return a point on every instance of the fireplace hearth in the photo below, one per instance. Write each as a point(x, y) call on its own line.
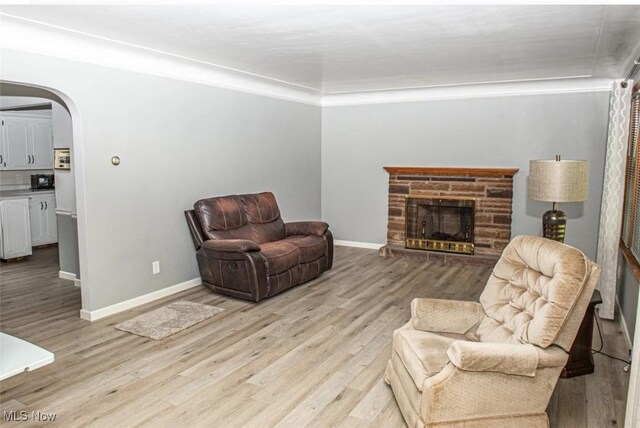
point(439, 224)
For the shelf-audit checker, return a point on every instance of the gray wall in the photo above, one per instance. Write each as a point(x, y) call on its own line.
point(627, 291)
point(67, 244)
point(357, 141)
point(178, 142)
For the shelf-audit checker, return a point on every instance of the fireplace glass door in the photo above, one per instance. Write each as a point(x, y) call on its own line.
point(440, 224)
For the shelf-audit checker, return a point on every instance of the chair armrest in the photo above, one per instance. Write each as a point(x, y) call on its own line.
point(487, 390)
point(231, 245)
point(553, 356)
point(445, 316)
point(507, 358)
point(305, 228)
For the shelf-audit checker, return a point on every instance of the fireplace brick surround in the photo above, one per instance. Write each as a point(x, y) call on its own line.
point(491, 188)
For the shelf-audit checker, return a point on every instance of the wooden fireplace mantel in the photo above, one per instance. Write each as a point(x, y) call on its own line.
point(503, 172)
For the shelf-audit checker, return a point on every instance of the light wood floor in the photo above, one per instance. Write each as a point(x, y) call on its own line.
point(313, 356)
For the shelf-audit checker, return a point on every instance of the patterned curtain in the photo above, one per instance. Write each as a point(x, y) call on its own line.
point(613, 195)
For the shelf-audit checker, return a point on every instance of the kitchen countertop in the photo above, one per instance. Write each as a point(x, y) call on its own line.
point(23, 193)
point(20, 356)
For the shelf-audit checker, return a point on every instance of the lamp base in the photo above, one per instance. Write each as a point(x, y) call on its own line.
point(554, 224)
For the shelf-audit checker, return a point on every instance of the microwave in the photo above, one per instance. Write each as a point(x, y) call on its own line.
point(42, 181)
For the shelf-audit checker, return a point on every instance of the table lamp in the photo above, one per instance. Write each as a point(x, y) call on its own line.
point(557, 181)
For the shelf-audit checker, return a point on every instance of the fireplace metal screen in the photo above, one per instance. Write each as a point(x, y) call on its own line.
point(439, 224)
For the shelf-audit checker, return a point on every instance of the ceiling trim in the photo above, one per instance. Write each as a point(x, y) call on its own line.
point(480, 90)
point(31, 36)
point(22, 34)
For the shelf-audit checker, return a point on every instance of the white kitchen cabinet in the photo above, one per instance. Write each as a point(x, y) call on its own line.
point(3, 147)
point(44, 226)
point(3, 158)
point(16, 143)
point(42, 144)
point(14, 228)
point(27, 143)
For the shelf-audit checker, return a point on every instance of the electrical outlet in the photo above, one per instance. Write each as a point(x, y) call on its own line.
point(156, 267)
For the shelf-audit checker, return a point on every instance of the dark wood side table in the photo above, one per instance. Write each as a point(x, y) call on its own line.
point(580, 356)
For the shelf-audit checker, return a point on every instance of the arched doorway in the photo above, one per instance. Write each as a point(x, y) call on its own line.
point(77, 215)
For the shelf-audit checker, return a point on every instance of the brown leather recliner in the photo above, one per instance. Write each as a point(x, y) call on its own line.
point(245, 250)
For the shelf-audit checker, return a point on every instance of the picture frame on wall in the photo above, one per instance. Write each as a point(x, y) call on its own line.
point(62, 159)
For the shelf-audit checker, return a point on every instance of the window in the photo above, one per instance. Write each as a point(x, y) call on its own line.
point(631, 214)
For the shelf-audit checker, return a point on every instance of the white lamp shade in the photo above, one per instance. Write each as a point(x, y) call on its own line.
point(559, 181)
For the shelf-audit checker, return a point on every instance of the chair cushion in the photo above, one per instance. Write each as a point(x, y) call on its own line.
point(532, 291)
point(422, 353)
point(263, 216)
point(306, 228)
point(311, 247)
point(260, 207)
point(280, 256)
point(220, 214)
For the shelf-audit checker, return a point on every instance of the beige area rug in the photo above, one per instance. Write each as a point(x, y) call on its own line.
point(169, 320)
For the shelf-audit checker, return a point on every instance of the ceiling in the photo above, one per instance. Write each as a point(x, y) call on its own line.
point(334, 49)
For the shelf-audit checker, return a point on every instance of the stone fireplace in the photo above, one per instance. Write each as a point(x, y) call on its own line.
point(449, 214)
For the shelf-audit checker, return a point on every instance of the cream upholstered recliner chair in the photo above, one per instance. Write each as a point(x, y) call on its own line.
point(494, 363)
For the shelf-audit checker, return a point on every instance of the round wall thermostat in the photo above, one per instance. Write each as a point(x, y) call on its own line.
point(115, 160)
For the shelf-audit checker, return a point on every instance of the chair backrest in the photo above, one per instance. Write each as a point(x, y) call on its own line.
point(538, 293)
point(252, 216)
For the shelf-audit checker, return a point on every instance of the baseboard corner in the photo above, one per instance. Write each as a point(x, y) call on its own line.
point(67, 275)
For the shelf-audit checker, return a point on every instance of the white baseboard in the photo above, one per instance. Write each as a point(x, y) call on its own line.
point(67, 275)
point(358, 244)
point(137, 301)
point(625, 330)
point(76, 282)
